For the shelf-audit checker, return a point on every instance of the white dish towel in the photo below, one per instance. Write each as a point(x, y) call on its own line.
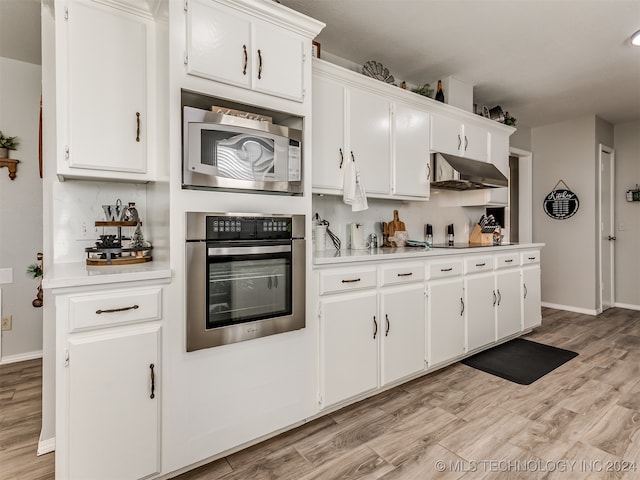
point(353, 190)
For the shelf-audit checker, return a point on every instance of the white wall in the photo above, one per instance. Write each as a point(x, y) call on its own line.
point(21, 207)
point(627, 262)
point(567, 151)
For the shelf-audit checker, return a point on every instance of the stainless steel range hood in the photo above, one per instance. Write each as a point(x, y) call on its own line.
point(458, 173)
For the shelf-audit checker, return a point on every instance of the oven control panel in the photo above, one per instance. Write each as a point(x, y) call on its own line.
point(248, 228)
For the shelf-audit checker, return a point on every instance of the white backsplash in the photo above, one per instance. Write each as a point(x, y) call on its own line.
point(414, 214)
point(78, 202)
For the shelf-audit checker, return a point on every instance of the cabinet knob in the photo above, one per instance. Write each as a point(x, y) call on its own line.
point(114, 310)
point(137, 126)
point(386, 334)
point(375, 327)
point(259, 64)
point(525, 289)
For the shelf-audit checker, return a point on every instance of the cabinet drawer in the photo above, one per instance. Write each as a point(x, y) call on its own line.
point(508, 260)
point(107, 309)
point(345, 280)
point(402, 273)
point(532, 256)
point(444, 269)
point(478, 264)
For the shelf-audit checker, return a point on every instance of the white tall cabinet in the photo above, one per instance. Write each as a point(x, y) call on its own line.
point(105, 109)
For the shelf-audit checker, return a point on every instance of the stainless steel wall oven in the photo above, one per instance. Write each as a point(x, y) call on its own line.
point(245, 277)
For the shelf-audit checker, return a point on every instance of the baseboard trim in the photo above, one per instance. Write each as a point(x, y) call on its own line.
point(569, 308)
point(21, 357)
point(627, 306)
point(46, 446)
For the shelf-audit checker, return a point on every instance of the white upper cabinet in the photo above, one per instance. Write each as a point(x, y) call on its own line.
point(411, 171)
point(231, 42)
point(358, 119)
point(328, 133)
point(219, 43)
point(104, 83)
point(453, 136)
point(370, 139)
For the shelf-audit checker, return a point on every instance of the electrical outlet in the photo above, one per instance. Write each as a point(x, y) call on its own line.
point(7, 322)
point(86, 230)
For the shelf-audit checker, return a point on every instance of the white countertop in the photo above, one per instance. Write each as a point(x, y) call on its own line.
point(333, 257)
point(78, 274)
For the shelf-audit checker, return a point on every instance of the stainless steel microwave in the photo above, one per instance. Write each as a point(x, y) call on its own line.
point(235, 153)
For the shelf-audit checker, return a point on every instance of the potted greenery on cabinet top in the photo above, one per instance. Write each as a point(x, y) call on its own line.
point(6, 144)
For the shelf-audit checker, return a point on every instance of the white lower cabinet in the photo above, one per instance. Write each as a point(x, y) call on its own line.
point(531, 297)
point(113, 404)
point(445, 319)
point(480, 312)
point(508, 304)
point(380, 321)
point(108, 382)
point(349, 333)
point(402, 315)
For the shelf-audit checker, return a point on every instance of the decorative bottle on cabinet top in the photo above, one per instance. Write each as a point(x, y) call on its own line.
point(440, 93)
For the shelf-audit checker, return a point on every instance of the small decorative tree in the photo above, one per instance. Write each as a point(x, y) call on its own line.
point(137, 241)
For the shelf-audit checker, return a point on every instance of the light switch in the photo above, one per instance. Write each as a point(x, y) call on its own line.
point(6, 275)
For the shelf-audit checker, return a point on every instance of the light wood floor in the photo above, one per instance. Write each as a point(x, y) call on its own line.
point(20, 422)
point(577, 422)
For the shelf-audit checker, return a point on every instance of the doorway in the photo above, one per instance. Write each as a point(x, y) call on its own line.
point(607, 237)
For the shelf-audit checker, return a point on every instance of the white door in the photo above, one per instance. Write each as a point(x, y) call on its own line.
point(277, 61)
point(328, 133)
point(509, 303)
point(607, 227)
point(113, 405)
point(445, 335)
point(403, 323)
point(480, 312)
point(411, 165)
point(532, 315)
point(349, 336)
point(219, 43)
point(370, 139)
point(475, 143)
point(446, 135)
point(107, 73)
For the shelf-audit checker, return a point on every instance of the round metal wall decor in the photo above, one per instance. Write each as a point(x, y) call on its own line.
point(561, 204)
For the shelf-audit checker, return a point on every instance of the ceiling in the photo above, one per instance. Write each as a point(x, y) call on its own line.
point(544, 61)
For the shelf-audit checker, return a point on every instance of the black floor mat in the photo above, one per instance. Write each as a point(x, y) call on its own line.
point(520, 361)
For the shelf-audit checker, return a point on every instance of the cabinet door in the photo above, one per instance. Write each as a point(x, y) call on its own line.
point(369, 137)
point(219, 43)
point(113, 428)
point(480, 313)
point(106, 88)
point(277, 61)
point(349, 335)
point(403, 321)
point(445, 335)
point(446, 135)
point(328, 110)
point(509, 304)
point(532, 315)
point(411, 165)
point(475, 143)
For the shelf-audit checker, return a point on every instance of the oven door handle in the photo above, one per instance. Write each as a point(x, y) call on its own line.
point(256, 250)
